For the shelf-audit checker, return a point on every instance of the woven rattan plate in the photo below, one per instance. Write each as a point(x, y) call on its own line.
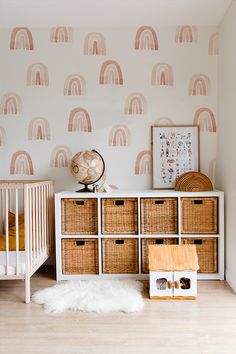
point(193, 182)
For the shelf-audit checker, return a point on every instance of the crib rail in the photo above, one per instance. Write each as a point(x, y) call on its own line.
point(34, 200)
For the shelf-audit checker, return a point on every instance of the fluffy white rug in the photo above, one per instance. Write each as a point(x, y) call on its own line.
point(100, 296)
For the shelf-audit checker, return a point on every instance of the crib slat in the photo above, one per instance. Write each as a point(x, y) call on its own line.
point(47, 216)
point(36, 224)
point(17, 231)
point(7, 230)
point(29, 216)
point(40, 218)
point(33, 226)
point(2, 209)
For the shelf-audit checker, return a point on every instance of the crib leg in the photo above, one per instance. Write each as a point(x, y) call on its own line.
point(27, 290)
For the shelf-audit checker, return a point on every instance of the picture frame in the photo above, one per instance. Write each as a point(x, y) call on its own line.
point(175, 150)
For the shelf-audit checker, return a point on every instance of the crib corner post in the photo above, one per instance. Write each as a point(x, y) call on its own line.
point(27, 289)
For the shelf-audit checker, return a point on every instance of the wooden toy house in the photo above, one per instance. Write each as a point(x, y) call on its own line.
point(173, 271)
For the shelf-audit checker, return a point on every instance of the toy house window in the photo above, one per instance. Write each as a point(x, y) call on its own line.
point(185, 283)
point(161, 284)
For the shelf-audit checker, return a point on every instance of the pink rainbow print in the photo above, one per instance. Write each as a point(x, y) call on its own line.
point(61, 35)
point(79, 120)
point(199, 85)
point(75, 85)
point(135, 104)
point(163, 121)
point(3, 137)
point(39, 129)
point(146, 39)
point(94, 44)
point(162, 75)
point(143, 163)
point(213, 47)
point(37, 75)
point(60, 157)
point(186, 34)
point(21, 163)
point(119, 136)
point(21, 38)
point(11, 104)
point(205, 118)
point(111, 73)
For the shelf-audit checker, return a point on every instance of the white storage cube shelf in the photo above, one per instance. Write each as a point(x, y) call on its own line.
point(138, 195)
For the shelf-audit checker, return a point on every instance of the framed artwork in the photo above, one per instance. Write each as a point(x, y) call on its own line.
point(175, 150)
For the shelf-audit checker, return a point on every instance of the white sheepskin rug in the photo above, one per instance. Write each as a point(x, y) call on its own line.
point(101, 296)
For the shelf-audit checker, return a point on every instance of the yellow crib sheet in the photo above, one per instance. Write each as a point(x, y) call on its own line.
point(12, 234)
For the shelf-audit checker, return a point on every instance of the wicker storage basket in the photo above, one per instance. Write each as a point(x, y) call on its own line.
point(119, 216)
point(120, 255)
point(153, 241)
point(199, 215)
point(207, 253)
point(79, 216)
point(79, 256)
point(159, 216)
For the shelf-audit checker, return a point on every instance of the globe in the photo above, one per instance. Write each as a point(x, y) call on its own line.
point(87, 167)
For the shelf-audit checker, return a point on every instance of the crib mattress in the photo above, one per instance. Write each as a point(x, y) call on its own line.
point(12, 263)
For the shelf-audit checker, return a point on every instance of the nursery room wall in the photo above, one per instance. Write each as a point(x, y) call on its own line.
point(66, 89)
point(226, 167)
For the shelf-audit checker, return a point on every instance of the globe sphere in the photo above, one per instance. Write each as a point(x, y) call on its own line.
point(87, 167)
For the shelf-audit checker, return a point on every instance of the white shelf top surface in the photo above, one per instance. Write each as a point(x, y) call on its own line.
point(136, 193)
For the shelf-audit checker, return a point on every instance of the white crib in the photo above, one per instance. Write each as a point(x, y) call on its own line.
point(32, 202)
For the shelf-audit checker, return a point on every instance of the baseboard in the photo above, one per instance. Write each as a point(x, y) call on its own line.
point(231, 281)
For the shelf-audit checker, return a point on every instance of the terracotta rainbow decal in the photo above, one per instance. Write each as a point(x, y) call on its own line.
point(163, 121)
point(205, 118)
point(21, 163)
point(75, 85)
point(119, 136)
point(111, 73)
point(94, 44)
point(213, 47)
point(39, 129)
point(61, 35)
point(199, 85)
point(79, 120)
point(186, 34)
point(146, 39)
point(37, 75)
point(212, 168)
point(143, 163)
point(21, 39)
point(162, 75)
point(60, 157)
point(11, 104)
point(3, 137)
point(135, 104)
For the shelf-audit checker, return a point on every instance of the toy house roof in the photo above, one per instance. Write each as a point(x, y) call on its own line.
point(173, 257)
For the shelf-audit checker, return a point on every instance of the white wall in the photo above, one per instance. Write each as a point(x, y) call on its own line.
point(104, 103)
point(226, 146)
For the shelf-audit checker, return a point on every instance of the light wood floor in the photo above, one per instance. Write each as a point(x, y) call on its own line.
point(207, 325)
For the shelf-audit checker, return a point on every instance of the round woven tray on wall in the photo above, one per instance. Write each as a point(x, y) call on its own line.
point(193, 182)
